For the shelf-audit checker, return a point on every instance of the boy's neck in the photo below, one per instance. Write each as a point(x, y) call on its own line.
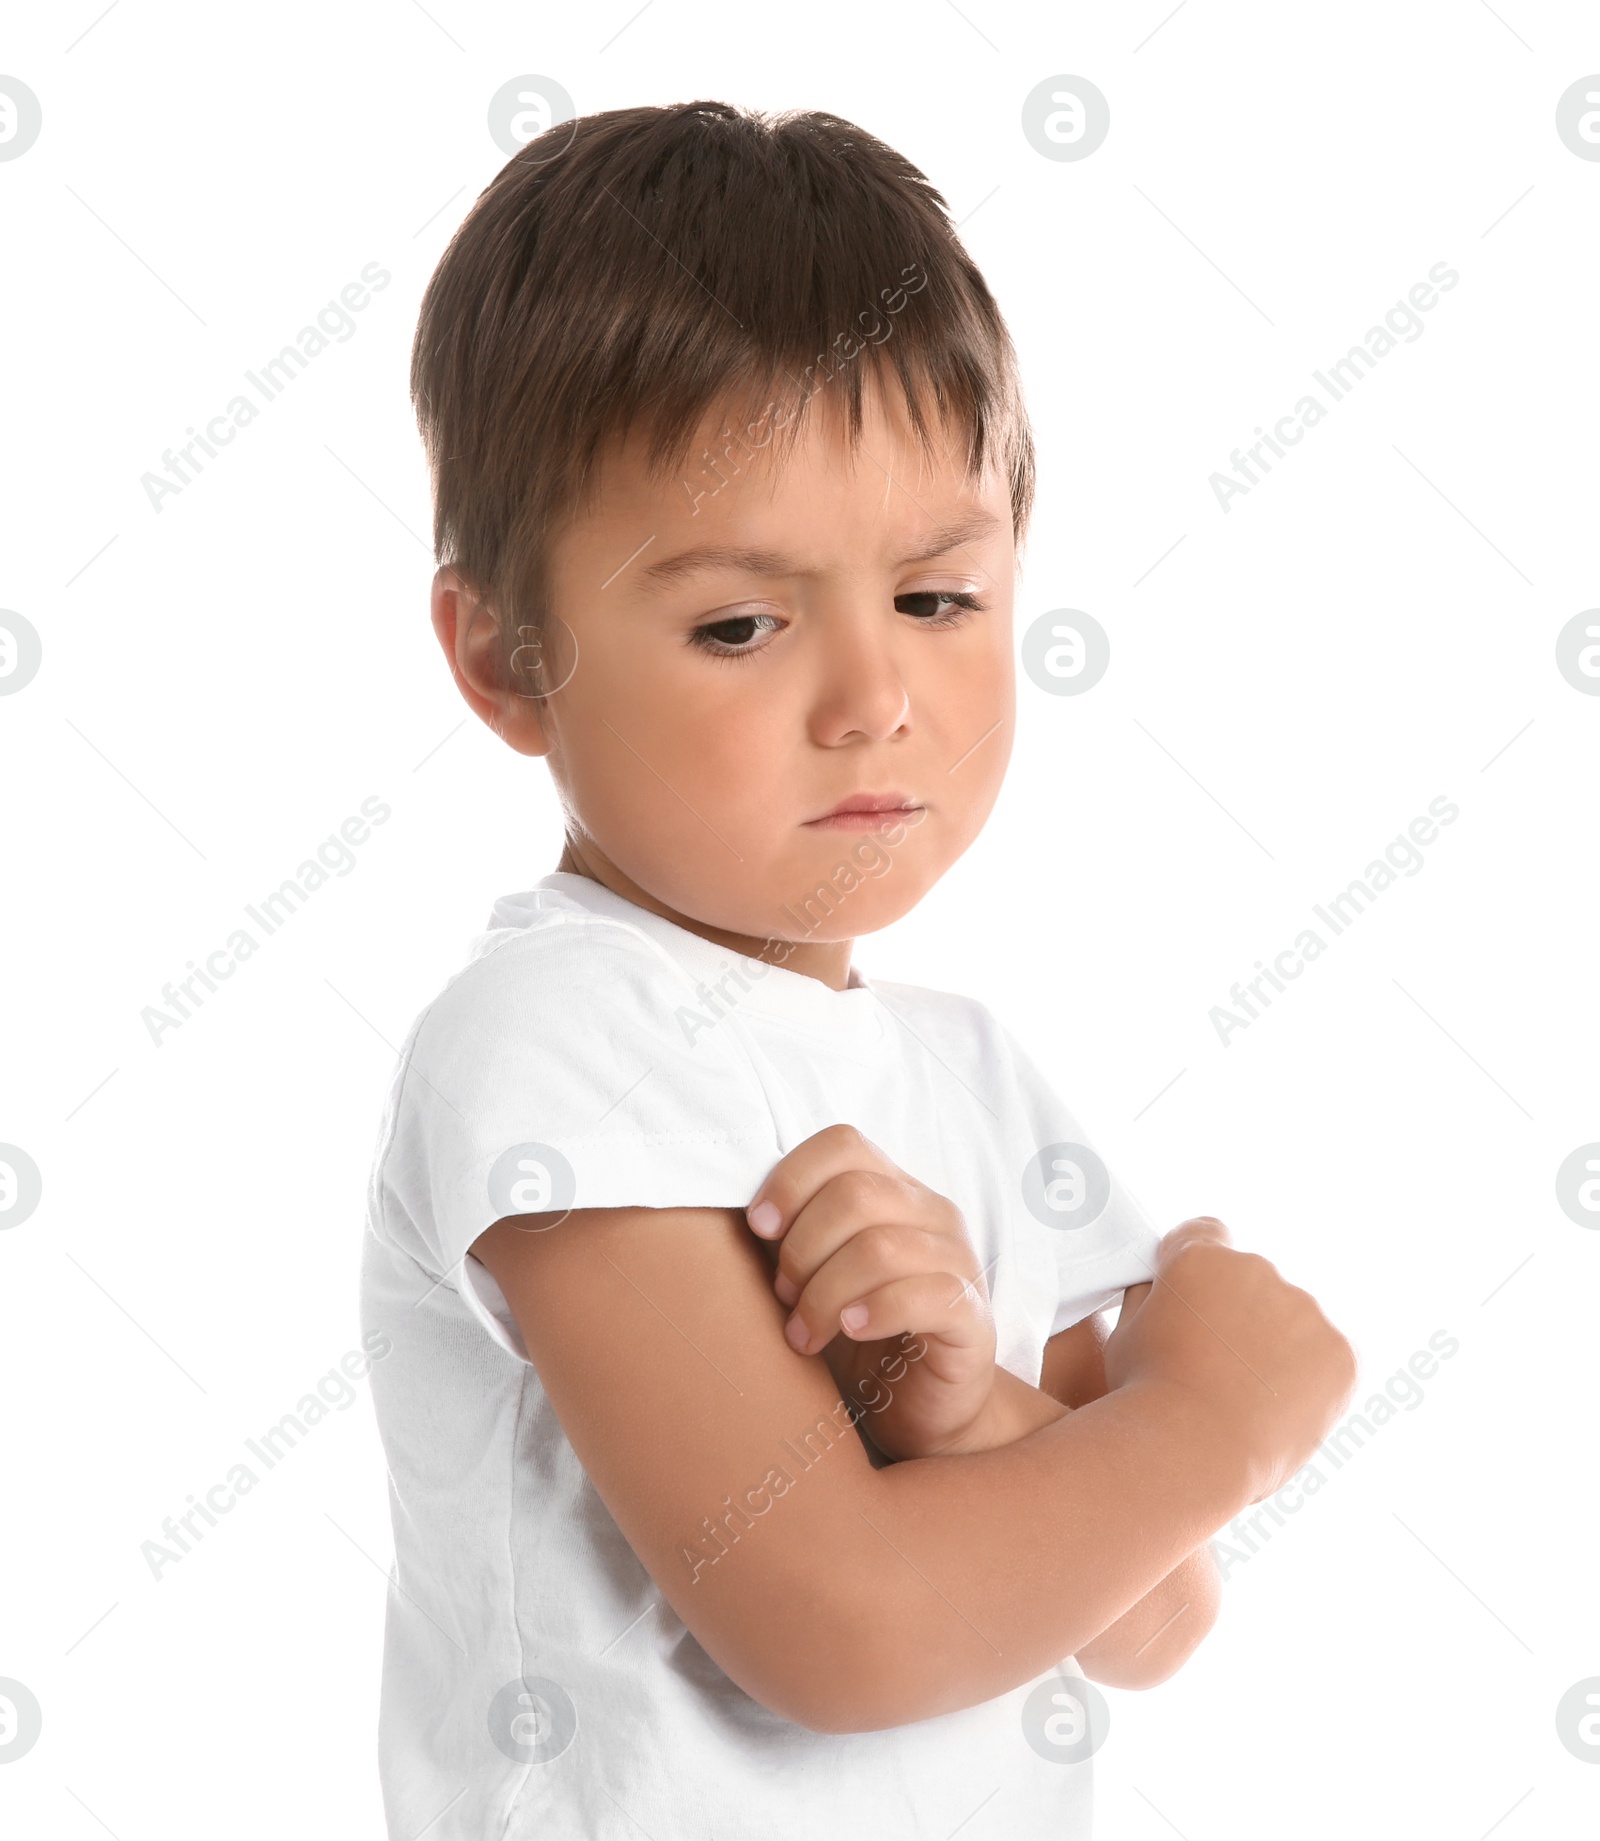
point(828, 961)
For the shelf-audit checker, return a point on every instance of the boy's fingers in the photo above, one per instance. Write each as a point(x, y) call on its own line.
point(904, 1226)
point(937, 1304)
point(1132, 1298)
point(794, 1179)
point(1201, 1229)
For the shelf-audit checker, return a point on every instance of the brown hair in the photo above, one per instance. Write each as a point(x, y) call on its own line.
point(653, 265)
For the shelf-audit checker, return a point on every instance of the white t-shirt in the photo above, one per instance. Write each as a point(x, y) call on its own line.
point(591, 1054)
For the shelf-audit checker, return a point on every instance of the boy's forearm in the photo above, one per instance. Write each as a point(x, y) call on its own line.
point(1156, 1636)
point(993, 1566)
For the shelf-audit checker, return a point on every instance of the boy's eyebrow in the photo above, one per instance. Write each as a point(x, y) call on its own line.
point(671, 569)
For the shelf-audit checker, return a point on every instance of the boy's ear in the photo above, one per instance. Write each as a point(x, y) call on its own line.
point(470, 637)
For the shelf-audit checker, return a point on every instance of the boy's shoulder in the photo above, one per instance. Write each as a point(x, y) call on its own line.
point(545, 957)
point(570, 1014)
point(558, 1047)
point(555, 980)
point(952, 1019)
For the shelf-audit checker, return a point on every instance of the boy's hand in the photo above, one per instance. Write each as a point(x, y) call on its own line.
point(1224, 1325)
point(886, 1286)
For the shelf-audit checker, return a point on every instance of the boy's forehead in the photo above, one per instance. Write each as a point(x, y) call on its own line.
point(777, 502)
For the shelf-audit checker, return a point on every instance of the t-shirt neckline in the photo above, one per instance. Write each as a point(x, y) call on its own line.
point(855, 1013)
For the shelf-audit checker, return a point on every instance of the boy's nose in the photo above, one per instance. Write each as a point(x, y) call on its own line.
point(860, 690)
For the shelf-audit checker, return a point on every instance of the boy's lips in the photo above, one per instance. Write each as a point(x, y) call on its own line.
point(864, 812)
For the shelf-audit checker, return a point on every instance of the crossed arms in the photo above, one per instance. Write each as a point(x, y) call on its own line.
point(849, 1596)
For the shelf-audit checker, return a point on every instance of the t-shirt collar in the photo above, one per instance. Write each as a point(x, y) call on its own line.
point(854, 1013)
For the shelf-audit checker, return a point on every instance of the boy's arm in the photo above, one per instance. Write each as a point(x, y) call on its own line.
point(1151, 1641)
point(847, 1598)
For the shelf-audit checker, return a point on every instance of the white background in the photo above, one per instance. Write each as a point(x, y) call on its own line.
point(1373, 626)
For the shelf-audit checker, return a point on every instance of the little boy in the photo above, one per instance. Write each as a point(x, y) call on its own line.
point(759, 1461)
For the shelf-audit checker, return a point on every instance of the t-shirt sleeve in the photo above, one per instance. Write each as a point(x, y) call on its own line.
point(558, 1071)
point(1100, 1235)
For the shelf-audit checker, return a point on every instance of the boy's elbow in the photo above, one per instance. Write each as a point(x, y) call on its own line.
point(1160, 1662)
point(826, 1703)
point(1163, 1653)
point(839, 1707)
point(843, 1675)
point(875, 1687)
point(806, 1689)
point(828, 1714)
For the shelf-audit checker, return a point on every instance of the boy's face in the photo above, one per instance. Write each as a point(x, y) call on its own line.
point(719, 710)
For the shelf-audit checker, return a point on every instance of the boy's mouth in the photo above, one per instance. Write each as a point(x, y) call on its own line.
point(864, 812)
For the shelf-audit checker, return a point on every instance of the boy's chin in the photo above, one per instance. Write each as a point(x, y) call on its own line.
point(865, 910)
point(845, 895)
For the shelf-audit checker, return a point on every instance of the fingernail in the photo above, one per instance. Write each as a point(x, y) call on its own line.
point(853, 1316)
point(785, 1287)
point(764, 1219)
point(796, 1333)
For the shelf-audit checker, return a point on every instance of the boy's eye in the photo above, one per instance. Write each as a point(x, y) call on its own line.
point(744, 634)
point(928, 611)
point(728, 638)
